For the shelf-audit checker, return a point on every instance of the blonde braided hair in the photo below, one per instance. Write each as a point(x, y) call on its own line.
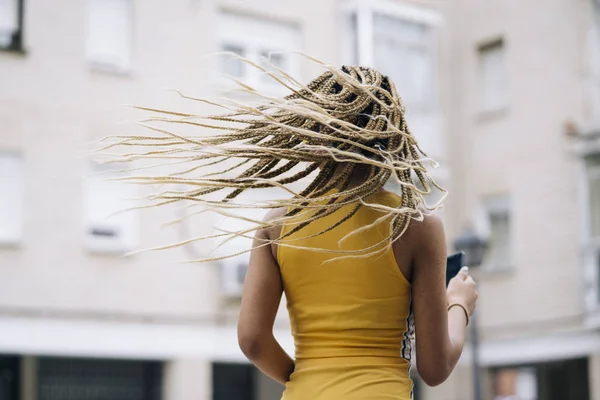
point(345, 121)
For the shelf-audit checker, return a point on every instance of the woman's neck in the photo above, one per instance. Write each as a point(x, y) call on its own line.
point(357, 177)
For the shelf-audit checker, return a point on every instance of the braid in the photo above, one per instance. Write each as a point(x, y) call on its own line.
point(344, 121)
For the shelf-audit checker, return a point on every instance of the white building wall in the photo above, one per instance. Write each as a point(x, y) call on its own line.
point(57, 297)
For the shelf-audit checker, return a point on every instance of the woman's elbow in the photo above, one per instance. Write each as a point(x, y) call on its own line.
point(434, 375)
point(250, 344)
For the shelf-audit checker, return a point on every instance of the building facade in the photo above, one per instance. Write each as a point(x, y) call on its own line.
point(524, 146)
point(504, 96)
point(79, 320)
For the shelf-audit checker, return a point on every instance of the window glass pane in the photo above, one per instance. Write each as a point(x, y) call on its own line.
point(270, 61)
point(230, 65)
point(500, 250)
point(402, 50)
point(500, 240)
point(594, 199)
point(255, 38)
point(354, 39)
point(9, 20)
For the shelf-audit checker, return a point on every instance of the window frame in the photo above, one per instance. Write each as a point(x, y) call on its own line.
point(363, 54)
point(254, 45)
point(16, 44)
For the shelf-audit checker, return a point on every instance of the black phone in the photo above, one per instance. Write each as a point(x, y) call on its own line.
point(454, 263)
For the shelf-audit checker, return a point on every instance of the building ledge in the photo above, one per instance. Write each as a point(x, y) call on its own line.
point(536, 349)
point(59, 337)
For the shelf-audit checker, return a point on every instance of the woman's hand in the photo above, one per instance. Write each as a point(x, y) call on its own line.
point(463, 290)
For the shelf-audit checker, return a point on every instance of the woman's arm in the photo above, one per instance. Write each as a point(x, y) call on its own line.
point(260, 301)
point(440, 333)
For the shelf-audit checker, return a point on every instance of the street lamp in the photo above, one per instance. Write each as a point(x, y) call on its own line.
point(474, 248)
point(473, 245)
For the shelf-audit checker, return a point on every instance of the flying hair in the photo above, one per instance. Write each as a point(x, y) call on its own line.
point(346, 121)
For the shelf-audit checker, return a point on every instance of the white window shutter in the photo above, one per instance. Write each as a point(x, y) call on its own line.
point(9, 20)
point(11, 198)
point(501, 242)
point(108, 227)
point(109, 39)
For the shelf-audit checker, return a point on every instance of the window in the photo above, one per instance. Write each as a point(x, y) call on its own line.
point(435, 196)
point(106, 231)
point(500, 251)
point(109, 33)
point(399, 41)
point(492, 66)
point(11, 193)
point(11, 25)
point(10, 377)
point(593, 168)
point(257, 40)
point(403, 51)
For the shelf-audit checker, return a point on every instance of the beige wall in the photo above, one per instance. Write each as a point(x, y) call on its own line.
point(522, 150)
point(52, 104)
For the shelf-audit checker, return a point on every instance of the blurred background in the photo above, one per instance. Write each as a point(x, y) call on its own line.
point(504, 94)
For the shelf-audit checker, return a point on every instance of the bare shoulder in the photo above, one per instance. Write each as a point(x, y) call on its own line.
point(430, 228)
point(272, 215)
point(275, 213)
point(429, 225)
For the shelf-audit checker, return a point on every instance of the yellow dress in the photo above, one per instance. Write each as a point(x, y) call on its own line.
point(351, 318)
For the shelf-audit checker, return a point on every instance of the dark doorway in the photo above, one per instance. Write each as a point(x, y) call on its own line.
point(563, 380)
point(233, 381)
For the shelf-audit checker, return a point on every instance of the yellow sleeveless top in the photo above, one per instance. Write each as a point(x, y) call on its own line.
point(351, 318)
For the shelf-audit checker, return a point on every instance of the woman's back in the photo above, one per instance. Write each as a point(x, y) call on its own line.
point(345, 135)
point(350, 317)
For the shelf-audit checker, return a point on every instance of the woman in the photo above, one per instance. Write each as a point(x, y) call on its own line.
point(362, 269)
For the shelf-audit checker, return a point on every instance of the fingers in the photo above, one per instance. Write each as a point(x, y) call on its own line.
point(469, 280)
point(463, 273)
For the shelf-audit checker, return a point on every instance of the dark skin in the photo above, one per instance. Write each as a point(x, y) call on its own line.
point(421, 256)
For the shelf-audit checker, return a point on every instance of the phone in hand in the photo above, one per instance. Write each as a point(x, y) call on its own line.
point(454, 263)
